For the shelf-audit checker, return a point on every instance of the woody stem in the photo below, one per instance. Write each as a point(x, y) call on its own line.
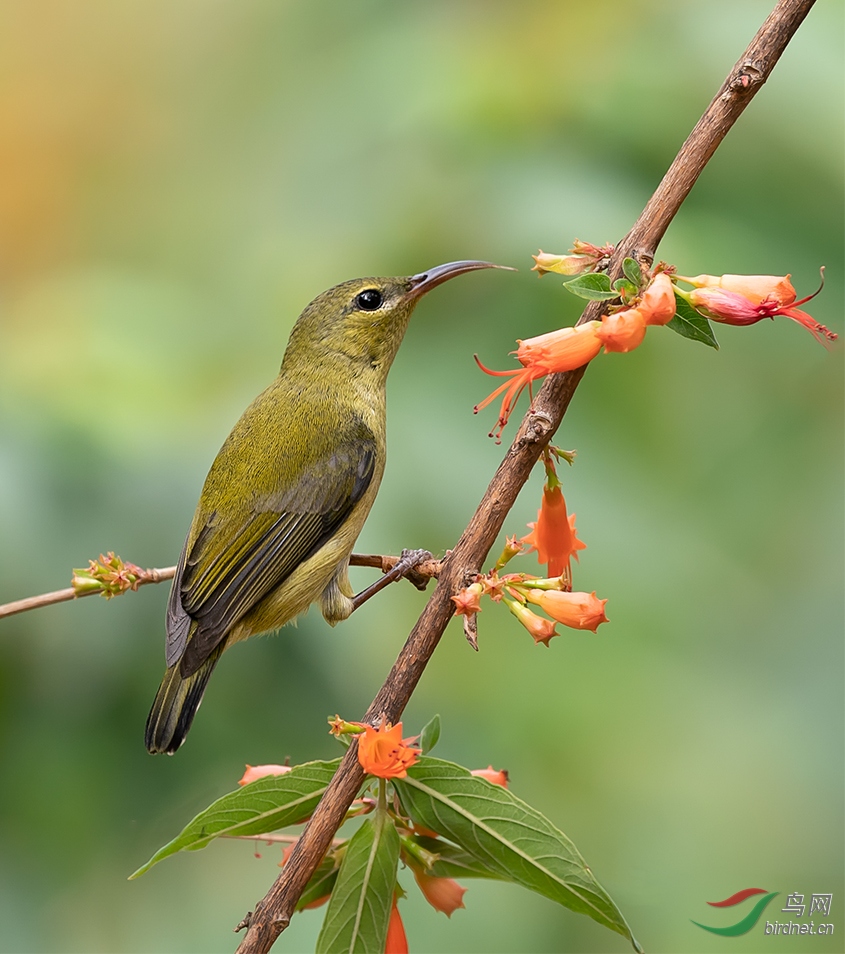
point(273, 913)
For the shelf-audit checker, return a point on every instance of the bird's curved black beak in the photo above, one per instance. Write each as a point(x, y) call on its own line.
point(425, 281)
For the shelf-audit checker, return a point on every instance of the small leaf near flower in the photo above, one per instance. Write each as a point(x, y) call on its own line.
point(594, 286)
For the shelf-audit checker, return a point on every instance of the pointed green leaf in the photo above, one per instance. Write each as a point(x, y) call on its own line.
point(322, 882)
point(632, 271)
point(594, 286)
point(511, 839)
point(430, 734)
point(359, 908)
point(690, 324)
point(265, 805)
point(453, 861)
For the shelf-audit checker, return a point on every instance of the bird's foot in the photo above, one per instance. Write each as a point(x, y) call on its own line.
point(404, 566)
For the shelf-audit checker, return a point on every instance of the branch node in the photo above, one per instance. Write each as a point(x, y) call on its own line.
point(538, 427)
point(243, 923)
point(749, 76)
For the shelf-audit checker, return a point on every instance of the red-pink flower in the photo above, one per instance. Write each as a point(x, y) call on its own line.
point(577, 610)
point(443, 894)
point(563, 350)
point(499, 777)
point(396, 942)
point(254, 772)
point(553, 535)
point(747, 299)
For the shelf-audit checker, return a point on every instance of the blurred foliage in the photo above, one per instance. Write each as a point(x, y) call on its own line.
point(177, 180)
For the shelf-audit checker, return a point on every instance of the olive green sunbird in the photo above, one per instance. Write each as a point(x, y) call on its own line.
point(289, 491)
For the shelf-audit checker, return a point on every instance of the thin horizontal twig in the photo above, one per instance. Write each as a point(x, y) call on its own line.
point(428, 569)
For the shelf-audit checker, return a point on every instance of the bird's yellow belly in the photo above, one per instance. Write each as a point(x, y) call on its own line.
point(309, 580)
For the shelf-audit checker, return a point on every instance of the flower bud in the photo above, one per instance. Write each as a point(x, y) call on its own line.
point(499, 777)
point(541, 629)
point(622, 331)
point(577, 610)
point(723, 305)
point(657, 304)
point(254, 772)
point(443, 894)
point(756, 288)
point(562, 264)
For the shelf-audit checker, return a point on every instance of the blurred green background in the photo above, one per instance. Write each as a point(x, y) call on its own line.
point(177, 180)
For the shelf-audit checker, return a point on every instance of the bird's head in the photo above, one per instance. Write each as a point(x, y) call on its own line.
point(365, 319)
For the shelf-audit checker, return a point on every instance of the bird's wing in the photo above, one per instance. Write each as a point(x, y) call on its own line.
point(235, 561)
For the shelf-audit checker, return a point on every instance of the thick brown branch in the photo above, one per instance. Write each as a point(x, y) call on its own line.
point(273, 913)
point(742, 83)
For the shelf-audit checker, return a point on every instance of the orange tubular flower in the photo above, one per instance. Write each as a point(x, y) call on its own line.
point(747, 299)
point(658, 301)
point(496, 778)
point(397, 942)
point(443, 894)
point(541, 629)
point(562, 350)
point(254, 772)
point(382, 752)
point(578, 610)
point(756, 288)
point(622, 331)
point(553, 535)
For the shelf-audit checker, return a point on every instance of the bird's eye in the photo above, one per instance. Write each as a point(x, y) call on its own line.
point(369, 299)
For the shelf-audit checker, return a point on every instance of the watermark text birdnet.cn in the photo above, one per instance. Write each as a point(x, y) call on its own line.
point(795, 904)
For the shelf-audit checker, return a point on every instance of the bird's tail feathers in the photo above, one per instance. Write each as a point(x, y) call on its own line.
point(176, 704)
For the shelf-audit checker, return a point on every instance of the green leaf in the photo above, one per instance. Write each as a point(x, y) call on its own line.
point(625, 289)
point(632, 271)
point(594, 285)
point(359, 909)
point(453, 861)
point(430, 734)
point(262, 806)
point(321, 883)
point(508, 837)
point(690, 324)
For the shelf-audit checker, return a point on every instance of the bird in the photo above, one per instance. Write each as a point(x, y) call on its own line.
point(289, 490)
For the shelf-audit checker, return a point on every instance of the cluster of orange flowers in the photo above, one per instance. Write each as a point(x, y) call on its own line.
point(555, 538)
point(383, 753)
point(730, 299)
